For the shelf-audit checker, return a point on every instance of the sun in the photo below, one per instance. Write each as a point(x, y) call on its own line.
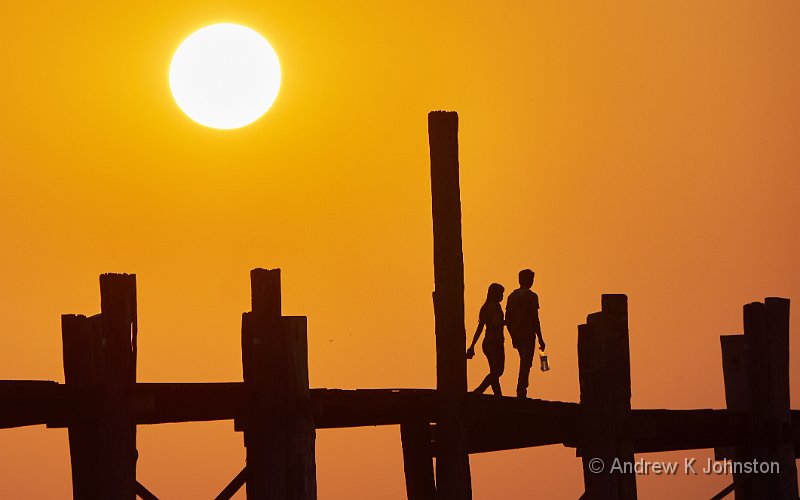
point(225, 76)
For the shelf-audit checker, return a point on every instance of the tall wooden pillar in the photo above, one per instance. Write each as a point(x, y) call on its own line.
point(99, 357)
point(605, 381)
point(278, 429)
point(452, 462)
point(766, 333)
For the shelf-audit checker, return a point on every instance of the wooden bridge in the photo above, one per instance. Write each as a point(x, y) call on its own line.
point(101, 403)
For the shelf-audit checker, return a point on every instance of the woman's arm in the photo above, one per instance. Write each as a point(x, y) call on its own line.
point(478, 331)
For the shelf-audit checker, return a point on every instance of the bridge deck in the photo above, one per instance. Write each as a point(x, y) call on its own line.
point(493, 423)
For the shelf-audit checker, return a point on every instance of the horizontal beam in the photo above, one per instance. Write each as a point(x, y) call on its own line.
point(34, 402)
point(163, 403)
point(673, 430)
point(500, 423)
point(493, 423)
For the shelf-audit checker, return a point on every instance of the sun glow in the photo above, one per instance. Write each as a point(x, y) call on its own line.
point(225, 76)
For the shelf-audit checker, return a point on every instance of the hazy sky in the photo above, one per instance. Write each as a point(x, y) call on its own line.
point(648, 148)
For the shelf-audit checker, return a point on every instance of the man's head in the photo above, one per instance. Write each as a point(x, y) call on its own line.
point(526, 278)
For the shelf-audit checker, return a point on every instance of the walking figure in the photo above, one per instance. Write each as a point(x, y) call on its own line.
point(522, 320)
point(491, 317)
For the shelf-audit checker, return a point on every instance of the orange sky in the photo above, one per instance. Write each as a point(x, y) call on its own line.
point(647, 148)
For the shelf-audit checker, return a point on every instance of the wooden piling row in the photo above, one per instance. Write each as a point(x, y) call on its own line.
point(756, 372)
point(99, 356)
point(605, 382)
point(99, 364)
point(279, 430)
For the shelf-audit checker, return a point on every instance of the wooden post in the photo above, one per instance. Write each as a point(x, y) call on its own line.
point(452, 461)
point(737, 398)
point(279, 429)
point(301, 432)
point(119, 330)
point(604, 371)
point(417, 460)
point(99, 356)
point(263, 368)
point(766, 332)
point(82, 350)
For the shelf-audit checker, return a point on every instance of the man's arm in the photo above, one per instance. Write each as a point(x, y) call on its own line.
point(537, 325)
point(538, 331)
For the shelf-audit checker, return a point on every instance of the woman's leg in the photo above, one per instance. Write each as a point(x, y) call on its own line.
point(487, 381)
point(496, 356)
point(498, 367)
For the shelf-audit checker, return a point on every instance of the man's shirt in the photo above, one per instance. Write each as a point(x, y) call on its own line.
point(522, 312)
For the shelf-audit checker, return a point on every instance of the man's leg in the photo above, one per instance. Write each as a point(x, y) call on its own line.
point(525, 363)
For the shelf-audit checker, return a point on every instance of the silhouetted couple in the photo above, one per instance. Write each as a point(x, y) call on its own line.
point(522, 321)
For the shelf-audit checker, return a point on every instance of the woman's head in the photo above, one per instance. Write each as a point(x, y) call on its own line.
point(495, 293)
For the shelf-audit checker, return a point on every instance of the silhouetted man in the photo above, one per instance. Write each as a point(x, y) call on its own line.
point(522, 320)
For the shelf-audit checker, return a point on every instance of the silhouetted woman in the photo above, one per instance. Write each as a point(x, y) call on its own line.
point(491, 317)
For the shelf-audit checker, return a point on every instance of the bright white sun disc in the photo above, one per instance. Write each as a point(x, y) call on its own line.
point(225, 76)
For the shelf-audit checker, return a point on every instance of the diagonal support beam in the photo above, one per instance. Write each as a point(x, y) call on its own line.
point(234, 486)
point(144, 493)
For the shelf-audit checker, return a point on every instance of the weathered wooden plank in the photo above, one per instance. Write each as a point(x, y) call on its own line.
point(452, 463)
